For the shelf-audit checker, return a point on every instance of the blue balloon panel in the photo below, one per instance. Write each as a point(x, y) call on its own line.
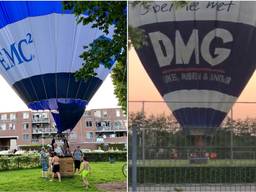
point(40, 52)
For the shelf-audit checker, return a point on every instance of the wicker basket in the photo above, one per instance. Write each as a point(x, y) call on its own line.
point(66, 167)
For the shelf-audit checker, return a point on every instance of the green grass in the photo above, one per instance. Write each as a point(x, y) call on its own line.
point(30, 179)
point(185, 163)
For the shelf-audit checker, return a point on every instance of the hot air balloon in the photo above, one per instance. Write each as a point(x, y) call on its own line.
point(40, 47)
point(199, 57)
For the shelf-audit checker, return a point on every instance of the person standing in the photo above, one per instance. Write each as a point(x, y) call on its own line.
point(85, 170)
point(56, 166)
point(44, 162)
point(77, 157)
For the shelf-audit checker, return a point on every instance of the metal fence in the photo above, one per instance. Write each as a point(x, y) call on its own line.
point(162, 158)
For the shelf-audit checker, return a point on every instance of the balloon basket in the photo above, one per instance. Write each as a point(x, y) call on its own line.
point(200, 155)
point(66, 167)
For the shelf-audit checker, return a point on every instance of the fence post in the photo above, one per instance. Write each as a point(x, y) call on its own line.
point(231, 137)
point(134, 159)
point(143, 137)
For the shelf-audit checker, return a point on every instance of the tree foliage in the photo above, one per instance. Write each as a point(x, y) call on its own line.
point(104, 15)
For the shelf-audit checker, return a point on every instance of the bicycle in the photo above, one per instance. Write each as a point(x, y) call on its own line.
point(125, 169)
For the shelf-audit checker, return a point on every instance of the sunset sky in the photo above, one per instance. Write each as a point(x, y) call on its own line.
point(141, 88)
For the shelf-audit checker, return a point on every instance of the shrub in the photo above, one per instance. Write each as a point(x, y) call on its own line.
point(19, 161)
point(104, 156)
point(195, 174)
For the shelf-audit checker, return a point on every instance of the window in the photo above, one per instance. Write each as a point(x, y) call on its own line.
point(25, 137)
point(11, 126)
point(3, 126)
point(4, 117)
point(88, 113)
point(44, 115)
point(73, 136)
point(89, 135)
point(97, 113)
point(118, 124)
point(105, 123)
point(88, 123)
point(25, 115)
point(105, 113)
point(25, 126)
point(118, 113)
point(12, 116)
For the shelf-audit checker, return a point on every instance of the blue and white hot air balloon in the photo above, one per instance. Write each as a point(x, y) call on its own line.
point(200, 57)
point(40, 44)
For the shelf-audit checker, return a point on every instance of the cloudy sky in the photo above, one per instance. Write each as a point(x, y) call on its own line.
point(10, 101)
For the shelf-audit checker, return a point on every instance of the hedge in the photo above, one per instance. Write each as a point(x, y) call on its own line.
point(8, 162)
point(167, 175)
point(19, 161)
point(36, 147)
point(106, 156)
point(119, 146)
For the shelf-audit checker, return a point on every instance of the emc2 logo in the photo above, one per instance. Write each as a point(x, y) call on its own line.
point(15, 54)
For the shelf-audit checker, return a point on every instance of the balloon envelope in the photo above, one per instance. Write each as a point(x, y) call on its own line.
point(40, 47)
point(200, 57)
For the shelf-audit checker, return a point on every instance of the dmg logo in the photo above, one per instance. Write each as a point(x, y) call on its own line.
point(15, 53)
point(166, 49)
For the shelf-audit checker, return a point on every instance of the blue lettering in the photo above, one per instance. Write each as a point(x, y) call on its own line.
point(11, 56)
point(21, 52)
point(16, 53)
point(2, 61)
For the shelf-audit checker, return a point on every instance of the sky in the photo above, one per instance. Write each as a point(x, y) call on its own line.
point(103, 98)
point(141, 88)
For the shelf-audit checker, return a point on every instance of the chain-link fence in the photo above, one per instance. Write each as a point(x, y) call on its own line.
point(163, 158)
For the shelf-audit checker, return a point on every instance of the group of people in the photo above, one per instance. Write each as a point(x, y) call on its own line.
point(50, 159)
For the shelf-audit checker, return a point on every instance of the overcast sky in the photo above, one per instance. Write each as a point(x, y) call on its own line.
point(103, 98)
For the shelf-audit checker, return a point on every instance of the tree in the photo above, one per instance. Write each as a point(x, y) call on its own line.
point(103, 15)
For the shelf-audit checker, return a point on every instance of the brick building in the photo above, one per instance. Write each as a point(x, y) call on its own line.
point(97, 126)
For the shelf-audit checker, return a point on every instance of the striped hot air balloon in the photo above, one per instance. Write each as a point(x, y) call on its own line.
point(199, 57)
point(40, 44)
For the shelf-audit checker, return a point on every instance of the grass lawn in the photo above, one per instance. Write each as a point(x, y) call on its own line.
point(30, 179)
point(185, 163)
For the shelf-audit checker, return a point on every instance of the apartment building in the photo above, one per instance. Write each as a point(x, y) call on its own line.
point(97, 126)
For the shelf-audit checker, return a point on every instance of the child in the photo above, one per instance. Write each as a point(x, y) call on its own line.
point(84, 171)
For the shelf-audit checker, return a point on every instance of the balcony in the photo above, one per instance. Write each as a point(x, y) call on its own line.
point(35, 141)
point(43, 130)
point(99, 140)
point(109, 129)
point(40, 120)
point(103, 128)
point(111, 140)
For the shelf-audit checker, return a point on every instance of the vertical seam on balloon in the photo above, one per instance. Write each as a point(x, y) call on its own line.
point(55, 55)
point(232, 48)
point(176, 27)
point(88, 81)
point(25, 70)
point(215, 32)
point(40, 69)
point(72, 58)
